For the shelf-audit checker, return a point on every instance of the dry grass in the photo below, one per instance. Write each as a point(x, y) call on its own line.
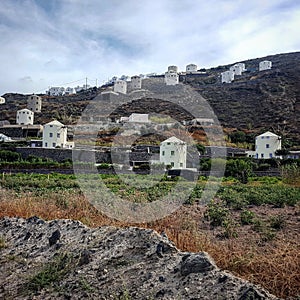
point(275, 265)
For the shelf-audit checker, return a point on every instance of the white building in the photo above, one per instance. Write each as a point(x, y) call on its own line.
point(242, 66)
point(56, 91)
point(120, 86)
point(70, 91)
point(2, 100)
point(265, 65)
point(55, 135)
point(191, 68)
point(173, 152)
point(4, 138)
point(173, 69)
point(136, 82)
point(227, 76)
point(34, 103)
point(24, 117)
point(237, 69)
point(138, 118)
point(171, 78)
point(266, 145)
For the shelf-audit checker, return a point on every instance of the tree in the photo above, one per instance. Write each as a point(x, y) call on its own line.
point(200, 148)
point(239, 168)
point(238, 137)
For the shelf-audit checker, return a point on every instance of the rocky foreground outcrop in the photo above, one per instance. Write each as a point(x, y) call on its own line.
point(63, 259)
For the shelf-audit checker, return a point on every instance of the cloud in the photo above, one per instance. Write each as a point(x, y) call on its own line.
point(26, 79)
point(63, 41)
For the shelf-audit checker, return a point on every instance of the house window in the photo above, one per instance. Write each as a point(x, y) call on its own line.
point(163, 153)
point(172, 152)
point(51, 126)
point(46, 144)
point(168, 143)
point(58, 135)
point(181, 164)
point(262, 155)
point(172, 163)
point(271, 155)
point(267, 146)
point(54, 145)
point(51, 134)
point(262, 137)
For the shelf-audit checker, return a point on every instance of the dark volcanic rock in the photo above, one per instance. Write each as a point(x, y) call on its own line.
point(107, 263)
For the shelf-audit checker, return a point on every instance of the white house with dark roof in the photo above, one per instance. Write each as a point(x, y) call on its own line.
point(266, 145)
point(55, 135)
point(24, 117)
point(173, 152)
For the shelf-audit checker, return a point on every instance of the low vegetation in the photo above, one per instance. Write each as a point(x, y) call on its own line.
point(249, 229)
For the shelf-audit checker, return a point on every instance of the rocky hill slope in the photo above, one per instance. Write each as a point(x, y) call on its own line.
point(63, 259)
point(267, 100)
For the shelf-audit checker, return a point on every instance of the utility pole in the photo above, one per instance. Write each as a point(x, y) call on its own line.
point(96, 83)
point(85, 83)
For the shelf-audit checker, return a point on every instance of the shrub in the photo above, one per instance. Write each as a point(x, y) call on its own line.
point(51, 273)
point(239, 168)
point(247, 217)
point(9, 156)
point(230, 228)
point(216, 213)
point(277, 222)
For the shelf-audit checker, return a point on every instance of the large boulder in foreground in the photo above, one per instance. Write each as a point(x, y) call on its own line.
point(63, 259)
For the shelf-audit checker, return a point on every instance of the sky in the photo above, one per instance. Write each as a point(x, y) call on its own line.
point(61, 42)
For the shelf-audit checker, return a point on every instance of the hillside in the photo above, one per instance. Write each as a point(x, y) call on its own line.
point(267, 100)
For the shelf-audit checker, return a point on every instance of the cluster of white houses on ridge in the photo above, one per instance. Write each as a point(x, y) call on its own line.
point(60, 91)
point(171, 77)
point(239, 68)
point(54, 133)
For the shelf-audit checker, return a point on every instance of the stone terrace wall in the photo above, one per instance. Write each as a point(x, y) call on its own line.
point(61, 155)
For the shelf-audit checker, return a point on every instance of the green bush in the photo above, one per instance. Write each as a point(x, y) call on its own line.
point(9, 156)
point(241, 169)
point(216, 213)
point(247, 217)
point(277, 222)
